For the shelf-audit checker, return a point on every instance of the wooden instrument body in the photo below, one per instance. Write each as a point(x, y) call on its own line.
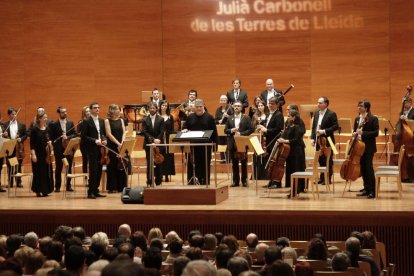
point(276, 165)
point(350, 169)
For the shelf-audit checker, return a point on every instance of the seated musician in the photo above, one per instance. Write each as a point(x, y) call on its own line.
point(407, 114)
point(238, 125)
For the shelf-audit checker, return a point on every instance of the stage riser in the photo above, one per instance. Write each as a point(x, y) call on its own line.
point(396, 231)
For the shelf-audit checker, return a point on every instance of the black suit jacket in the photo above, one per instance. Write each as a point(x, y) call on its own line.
point(329, 124)
point(21, 130)
point(245, 128)
point(369, 132)
point(56, 132)
point(274, 127)
point(150, 133)
point(410, 114)
point(277, 94)
point(89, 133)
point(243, 98)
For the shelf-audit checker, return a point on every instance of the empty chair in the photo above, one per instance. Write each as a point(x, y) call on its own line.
point(73, 176)
point(309, 176)
point(391, 173)
point(14, 174)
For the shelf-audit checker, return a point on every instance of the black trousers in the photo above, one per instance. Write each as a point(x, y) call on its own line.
point(236, 171)
point(157, 169)
point(58, 170)
point(95, 171)
point(367, 172)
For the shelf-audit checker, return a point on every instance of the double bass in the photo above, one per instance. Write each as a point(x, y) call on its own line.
point(405, 137)
point(275, 166)
point(350, 169)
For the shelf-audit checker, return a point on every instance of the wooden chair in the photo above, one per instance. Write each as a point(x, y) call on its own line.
point(73, 176)
point(380, 246)
point(389, 270)
point(317, 265)
point(310, 176)
point(391, 173)
point(222, 149)
point(375, 256)
point(365, 267)
point(324, 169)
point(14, 174)
point(139, 162)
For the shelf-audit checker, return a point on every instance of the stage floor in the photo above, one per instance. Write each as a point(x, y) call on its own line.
point(240, 199)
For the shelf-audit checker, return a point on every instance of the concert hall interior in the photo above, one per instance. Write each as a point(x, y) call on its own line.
point(65, 55)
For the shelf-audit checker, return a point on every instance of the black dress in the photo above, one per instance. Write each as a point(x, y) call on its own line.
point(259, 162)
point(168, 166)
point(116, 177)
point(42, 172)
point(295, 162)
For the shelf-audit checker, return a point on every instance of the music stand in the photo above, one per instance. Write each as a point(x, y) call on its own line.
point(344, 126)
point(7, 148)
point(72, 146)
point(220, 130)
point(125, 152)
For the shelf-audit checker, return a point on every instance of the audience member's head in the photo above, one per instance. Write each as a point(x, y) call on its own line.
point(340, 262)
point(79, 231)
point(252, 240)
point(317, 250)
point(100, 237)
point(369, 241)
point(353, 246)
point(31, 240)
point(282, 242)
point(272, 253)
point(153, 233)
point(236, 265)
point(321, 237)
point(139, 239)
point(75, 259)
point(127, 248)
point(176, 246)
point(179, 265)
point(98, 247)
point(260, 251)
point(223, 255)
point(13, 243)
point(231, 242)
point(110, 253)
point(289, 253)
point(196, 240)
point(245, 255)
point(152, 258)
point(223, 272)
point(22, 254)
point(172, 235)
point(199, 268)
point(194, 253)
point(98, 265)
point(44, 244)
point(303, 269)
point(34, 261)
point(11, 265)
point(219, 236)
point(249, 273)
point(51, 264)
point(210, 242)
point(55, 251)
point(156, 242)
point(124, 230)
point(62, 233)
point(280, 268)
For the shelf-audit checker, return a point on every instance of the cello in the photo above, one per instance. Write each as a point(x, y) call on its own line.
point(350, 169)
point(275, 166)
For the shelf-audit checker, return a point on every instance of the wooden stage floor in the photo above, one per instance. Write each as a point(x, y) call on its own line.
point(268, 213)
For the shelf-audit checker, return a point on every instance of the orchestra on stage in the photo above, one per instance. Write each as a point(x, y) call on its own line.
point(277, 150)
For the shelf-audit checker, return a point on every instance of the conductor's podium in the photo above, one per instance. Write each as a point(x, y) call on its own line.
point(185, 195)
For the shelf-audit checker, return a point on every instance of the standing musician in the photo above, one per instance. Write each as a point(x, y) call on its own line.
point(93, 133)
point(238, 125)
point(61, 131)
point(86, 113)
point(41, 150)
point(15, 130)
point(2, 158)
point(407, 114)
point(274, 125)
point(190, 104)
point(293, 135)
point(367, 134)
point(237, 94)
point(324, 124)
point(222, 113)
point(259, 119)
point(115, 132)
point(200, 120)
point(156, 97)
point(272, 92)
point(168, 167)
point(253, 108)
point(153, 128)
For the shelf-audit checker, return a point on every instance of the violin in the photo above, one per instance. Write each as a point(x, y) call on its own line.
point(104, 156)
point(350, 169)
point(322, 145)
point(50, 156)
point(19, 150)
point(158, 157)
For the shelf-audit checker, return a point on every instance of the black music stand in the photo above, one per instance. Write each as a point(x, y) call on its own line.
point(125, 153)
point(195, 137)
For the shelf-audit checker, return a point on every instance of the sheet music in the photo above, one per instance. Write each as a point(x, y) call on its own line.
point(192, 134)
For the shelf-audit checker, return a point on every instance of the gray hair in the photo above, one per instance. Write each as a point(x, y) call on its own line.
point(199, 268)
point(31, 239)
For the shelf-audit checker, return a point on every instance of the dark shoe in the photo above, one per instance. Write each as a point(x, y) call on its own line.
point(371, 195)
point(289, 196)
point(45, 195)
point(245, 184)
point(167, 179)
point(57, 191)
point(321, 181)
point(266, 186)
point(111, 192)
point(91, 196)
point(69, 190)
point(99, 195)
point(272, 187)
point(364, 193)
point(407, 180)
point(19, 185)
point(2, 190)
point(38, 195)
point(363, 189)
point(234, 185)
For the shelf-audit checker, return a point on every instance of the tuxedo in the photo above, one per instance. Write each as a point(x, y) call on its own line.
point(370, 131)
point(56, 137)
point(329, 123)
point(22, 134)
point(277, 94)
point(89, 134)
point(150, 133)
point(241, 97)
point(274, 125)
point(246, 129)
point(410, 114)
